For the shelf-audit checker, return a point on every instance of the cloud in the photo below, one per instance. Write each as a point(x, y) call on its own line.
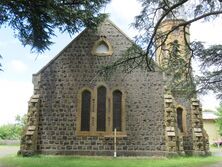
point(14, 96)
point(123, 13)
point(209, 102)
point(2, 44)
point(125, 9)
point(18, 66)
point(209, 32)
point(8, 43)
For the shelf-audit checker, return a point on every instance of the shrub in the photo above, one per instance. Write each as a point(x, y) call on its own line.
point(10, 132)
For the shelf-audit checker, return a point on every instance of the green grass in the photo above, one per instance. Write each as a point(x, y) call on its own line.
point(69, 161)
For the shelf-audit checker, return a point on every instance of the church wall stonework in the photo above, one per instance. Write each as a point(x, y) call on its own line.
point(150, 125)
point(76, 68)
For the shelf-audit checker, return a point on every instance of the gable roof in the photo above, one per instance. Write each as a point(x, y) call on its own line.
point(78, 36)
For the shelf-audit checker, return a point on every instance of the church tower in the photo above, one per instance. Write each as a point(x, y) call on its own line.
point(169, 34)
point(183, 116)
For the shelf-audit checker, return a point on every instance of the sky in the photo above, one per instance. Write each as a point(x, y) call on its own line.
point(19, 63)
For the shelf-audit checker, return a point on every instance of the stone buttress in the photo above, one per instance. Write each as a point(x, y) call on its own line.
point(200, 137)
point(174, 140)
point(29, 138)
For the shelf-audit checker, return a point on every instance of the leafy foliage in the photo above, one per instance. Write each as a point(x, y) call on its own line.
point(211, 68)
point(154, 13)
point(13, 131)
point(219, 120)
point(10, 132)
point(21, 120)
point(130, 60)
point(179, 70)
point(34, 21)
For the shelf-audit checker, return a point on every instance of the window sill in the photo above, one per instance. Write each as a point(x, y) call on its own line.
point(101, 134)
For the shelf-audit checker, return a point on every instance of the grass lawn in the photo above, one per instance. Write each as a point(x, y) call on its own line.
point(69, 161)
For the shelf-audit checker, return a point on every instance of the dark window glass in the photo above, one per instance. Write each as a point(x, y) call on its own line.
point(101, 108)
point(117, 109)
point(180, 119)
point(85, 113)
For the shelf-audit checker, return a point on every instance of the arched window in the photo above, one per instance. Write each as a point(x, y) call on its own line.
point(117, 110)
point(85, 110)
point(100, 111)
point(102, 47)
point(101, 108)
point(180, 119)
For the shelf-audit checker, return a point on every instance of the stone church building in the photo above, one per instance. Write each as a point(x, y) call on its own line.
point(74, 110)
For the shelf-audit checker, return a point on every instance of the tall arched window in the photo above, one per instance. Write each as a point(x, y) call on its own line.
point(85, 110)
point(180, 119)
point(100, 111)
point(101, 108)
point(117, 110)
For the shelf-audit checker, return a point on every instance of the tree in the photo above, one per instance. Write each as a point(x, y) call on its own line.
point(150, 19)
point(13, 131)
point(34, 21)
point(21, 120)
point(219, 119)
point(153, 13)
point(10, 132)
point(211, 67)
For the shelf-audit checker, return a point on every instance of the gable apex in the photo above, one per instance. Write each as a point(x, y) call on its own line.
point(123, 33)
point(79, 36)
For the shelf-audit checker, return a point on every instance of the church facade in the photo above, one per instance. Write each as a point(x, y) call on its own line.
point(75, 111)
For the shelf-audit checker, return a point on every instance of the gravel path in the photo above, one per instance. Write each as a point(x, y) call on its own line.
point(218, 154)
point(216, 165)
point(7, 150)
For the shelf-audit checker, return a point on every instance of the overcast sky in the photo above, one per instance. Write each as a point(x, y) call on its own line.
point(19, 63)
